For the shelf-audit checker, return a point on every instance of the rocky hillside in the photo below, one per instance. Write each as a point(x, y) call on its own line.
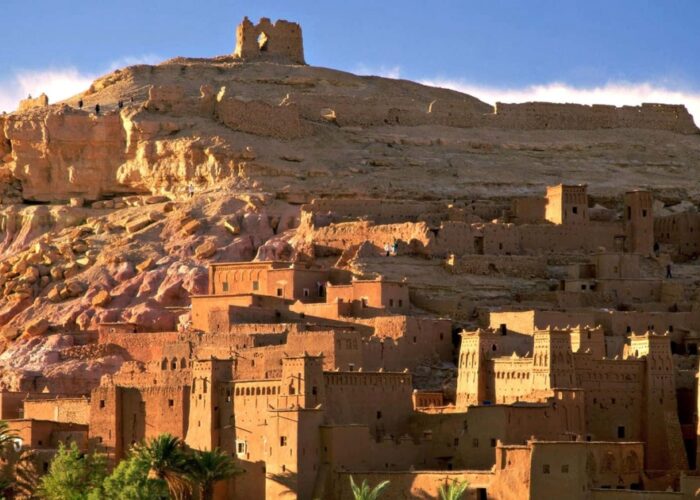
point(98, 225)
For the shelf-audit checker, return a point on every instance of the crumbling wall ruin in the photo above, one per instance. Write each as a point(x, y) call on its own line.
point(548, 115)
point(38, 102)
point(281, 40)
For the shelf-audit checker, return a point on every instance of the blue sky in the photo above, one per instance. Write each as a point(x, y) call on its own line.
point(610, 51)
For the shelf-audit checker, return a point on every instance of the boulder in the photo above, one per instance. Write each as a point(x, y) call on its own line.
point(191, 226)
point(205, 250)
point(75, 288)
point(54, 294)
point(36, 327)
point(145, 265)
point(101, 298)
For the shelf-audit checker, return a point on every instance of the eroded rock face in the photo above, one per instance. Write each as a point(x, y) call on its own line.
point(212, 160)
point(60, 152)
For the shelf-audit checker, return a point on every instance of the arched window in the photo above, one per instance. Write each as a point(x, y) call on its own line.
point(164, 364)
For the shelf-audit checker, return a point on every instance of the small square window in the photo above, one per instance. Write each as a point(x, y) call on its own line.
point(574, 210)
point(379, 415)
point(565, 468)
point(400, 303)
point(224, 286)
point(171, 403)
point(306, 292)
point(102, 403)
point(475, 443)
point(545, 469)
point(279, 292)
point(283, 440)
point(255, 285)
point(391, 302)
point(493, 443)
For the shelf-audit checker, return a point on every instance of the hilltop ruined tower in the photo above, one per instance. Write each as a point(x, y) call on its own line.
point(280, 41)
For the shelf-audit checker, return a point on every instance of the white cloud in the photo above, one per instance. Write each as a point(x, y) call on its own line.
point(57, 83)
point(383, 71)
point(616, 93)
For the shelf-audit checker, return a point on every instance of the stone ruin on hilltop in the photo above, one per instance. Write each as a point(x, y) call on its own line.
point(281, 41)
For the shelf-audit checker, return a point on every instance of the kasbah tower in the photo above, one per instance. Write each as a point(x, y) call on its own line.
point(323, 277)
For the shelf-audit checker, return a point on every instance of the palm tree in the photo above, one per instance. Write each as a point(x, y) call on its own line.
point(364, 492)
point(18, 475)
point(206, 468)
point(166, 458)
point(454, 490)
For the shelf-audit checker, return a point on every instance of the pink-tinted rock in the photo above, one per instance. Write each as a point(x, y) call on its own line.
point(258, 226)
point(196, 281)
point(152, 281)
point(124, 271)
point(275, 249)
point(239, 250)
point(151, 316)
point(12, 308)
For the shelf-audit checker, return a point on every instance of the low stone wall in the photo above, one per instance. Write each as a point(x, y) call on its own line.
point(510, 265)
point(547, 115)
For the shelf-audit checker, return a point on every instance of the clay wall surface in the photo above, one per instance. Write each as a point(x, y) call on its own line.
point(67, 410)
point(400, 342)
point(143, 346)
point(544, 115)
point(680, 230)
point(341, 349)
point(241, 278)
point(631, 290)
point(615, 392)
point(12, 403)
point(526, 322)
point(44, 434)
point(566, 204)
point(617, 265)
point(558, 469)
point(121, 416)
point(569, 239)
point(354, 447)
point(295, 283)
point(625, 322)
point(377, 294)
point(425, 399)
point(381, 401)
point(529, 210)
point(470, 438)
